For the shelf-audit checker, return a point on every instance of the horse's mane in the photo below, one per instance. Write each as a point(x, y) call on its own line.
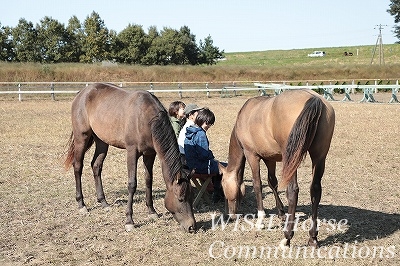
point(164, 135)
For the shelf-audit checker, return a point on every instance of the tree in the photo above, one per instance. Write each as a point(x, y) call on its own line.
point(173, 47)
point(209, 53)
point(188, 41)
point(53, 40)
point(151, 56)
point(75, 36)
point(6, 51)
point(24, 41)
point(394, 10)
point(131, 43)
point(96, 42)
point(171, 50)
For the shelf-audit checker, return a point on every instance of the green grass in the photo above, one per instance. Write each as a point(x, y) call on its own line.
point(276, 65)
point(362, 55)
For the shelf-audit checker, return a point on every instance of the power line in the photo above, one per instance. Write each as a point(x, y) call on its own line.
point(379, 44)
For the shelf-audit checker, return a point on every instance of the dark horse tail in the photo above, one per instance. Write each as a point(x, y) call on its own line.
point(300, 138)
point(71, 150)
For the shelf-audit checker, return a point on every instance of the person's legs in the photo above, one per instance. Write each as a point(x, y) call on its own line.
point(218, 194)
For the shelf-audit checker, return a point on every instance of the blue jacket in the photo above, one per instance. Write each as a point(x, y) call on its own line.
point(197, 152)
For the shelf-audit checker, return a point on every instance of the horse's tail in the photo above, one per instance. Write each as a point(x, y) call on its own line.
point(71, 150)
point(300, 139)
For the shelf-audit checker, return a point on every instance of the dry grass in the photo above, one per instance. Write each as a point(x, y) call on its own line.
point(40, 224)
point(278, 65)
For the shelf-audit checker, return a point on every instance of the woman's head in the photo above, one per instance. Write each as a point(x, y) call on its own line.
point(176, 109)
point(205, 118)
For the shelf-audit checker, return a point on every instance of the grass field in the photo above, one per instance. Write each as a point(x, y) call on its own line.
point(40, 223)
point(362, 55)
point(277, 65)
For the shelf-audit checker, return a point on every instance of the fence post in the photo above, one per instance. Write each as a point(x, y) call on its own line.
point(347, 92)
point(151, 88)
point(365, 95)
point(180, 90)
point(394, 92)
point(52, 89)
point(19, 94)
point(208, 92)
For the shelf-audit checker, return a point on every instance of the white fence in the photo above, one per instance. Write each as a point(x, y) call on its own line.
point(348, 89)
point(53, 88)
point(225, 89)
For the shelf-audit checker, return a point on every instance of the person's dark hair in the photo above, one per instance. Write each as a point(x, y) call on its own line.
point(205, 115)
point(174, 108)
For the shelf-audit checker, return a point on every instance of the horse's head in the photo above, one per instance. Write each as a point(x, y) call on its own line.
point(233, 187)
point(179, 200)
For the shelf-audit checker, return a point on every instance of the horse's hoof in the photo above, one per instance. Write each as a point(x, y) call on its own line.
point(260, 225)
point(313, 243)
point(191, 230)
point(129, 227)
point(153, 216)
point(83, 210)
point(284, 244)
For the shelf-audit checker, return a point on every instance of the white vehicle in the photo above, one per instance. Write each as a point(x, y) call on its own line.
point(317, 54)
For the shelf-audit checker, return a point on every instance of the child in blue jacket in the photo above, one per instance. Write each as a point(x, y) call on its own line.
point(197, 151)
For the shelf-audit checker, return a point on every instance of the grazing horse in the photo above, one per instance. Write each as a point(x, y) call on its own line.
point(282, 128)
point(138, 122)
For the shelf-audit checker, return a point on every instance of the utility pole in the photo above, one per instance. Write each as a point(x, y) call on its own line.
point(379, 44)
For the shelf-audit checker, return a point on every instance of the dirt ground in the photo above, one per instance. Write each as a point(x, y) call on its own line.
point(40, 223)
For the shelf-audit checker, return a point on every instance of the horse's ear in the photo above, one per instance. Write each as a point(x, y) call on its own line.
point(185, 175)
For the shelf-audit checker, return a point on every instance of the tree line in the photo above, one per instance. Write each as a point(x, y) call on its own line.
point(51, 42)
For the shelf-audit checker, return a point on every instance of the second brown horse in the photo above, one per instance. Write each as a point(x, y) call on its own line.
point(283, 128)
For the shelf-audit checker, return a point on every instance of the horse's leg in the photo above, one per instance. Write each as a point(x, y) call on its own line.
point(80, 142)
point(97, 166)
point(292, 193)
point(132, 158)
point(148, 161)
point(273, 184)
point(254, 162)
point(315, 193)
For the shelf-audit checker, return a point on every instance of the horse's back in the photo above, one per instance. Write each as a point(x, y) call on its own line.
point(115, 115)
point(264, 123)
point(103, 95)
point(253, 127)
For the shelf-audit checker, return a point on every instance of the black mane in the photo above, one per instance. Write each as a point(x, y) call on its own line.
point(164, 135)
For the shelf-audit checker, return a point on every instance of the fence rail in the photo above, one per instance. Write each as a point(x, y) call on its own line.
point(347, 89)
point(223, 88)
point(53, 88)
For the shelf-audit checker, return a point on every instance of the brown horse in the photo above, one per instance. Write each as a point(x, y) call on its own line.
point(138, 122)
point(282, 128)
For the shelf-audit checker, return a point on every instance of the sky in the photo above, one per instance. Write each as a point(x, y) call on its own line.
point(234, 25)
